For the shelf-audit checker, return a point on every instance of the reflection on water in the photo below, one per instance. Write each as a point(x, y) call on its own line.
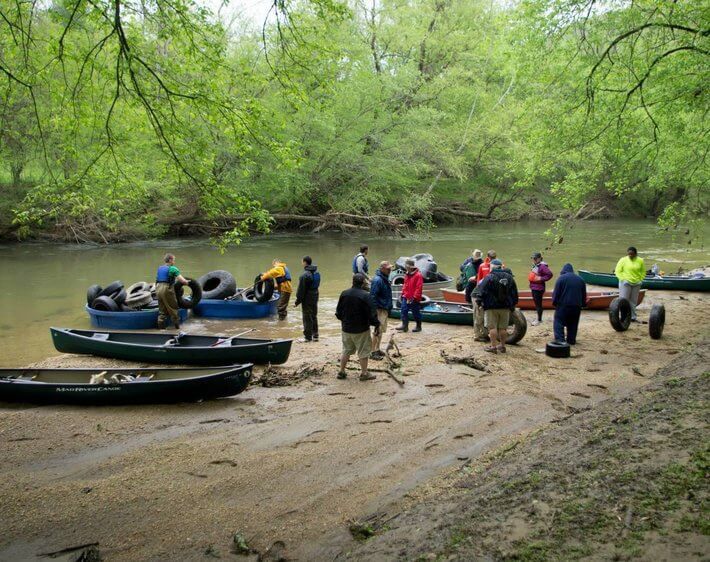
point(44, 285)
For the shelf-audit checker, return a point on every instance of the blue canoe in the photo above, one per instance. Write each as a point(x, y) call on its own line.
point(134, 320)
point(215, 308)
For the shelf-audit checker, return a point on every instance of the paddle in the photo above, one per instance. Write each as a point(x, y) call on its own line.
point(222, 342)
point(240, 293)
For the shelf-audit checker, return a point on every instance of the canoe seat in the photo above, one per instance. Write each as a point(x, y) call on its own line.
point(100, 336)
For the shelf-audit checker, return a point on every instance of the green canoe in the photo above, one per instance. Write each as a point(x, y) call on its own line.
point(667, 283)
point(182, 349)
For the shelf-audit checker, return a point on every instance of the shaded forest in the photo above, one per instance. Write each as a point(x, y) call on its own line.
point(128, 119)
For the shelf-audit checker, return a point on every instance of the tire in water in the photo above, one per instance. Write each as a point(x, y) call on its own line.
point(656, 321)
point(620, 314)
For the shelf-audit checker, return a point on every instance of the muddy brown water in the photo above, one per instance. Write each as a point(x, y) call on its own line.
point(44, 285)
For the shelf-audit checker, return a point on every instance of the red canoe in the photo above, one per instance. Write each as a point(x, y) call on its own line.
point(596, 300)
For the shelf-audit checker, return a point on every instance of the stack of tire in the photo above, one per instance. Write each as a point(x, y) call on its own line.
point(221, 285)
point(116, 298)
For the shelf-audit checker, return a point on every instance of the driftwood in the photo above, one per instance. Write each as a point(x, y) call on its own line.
point(467, 360)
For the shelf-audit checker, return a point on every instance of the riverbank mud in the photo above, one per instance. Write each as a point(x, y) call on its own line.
point(298, 468)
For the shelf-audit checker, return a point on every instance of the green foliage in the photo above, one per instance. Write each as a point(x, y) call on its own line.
point(129, 119)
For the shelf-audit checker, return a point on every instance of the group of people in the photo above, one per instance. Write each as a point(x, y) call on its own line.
point(489, 286)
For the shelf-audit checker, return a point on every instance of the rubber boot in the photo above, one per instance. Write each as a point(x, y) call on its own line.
point(418, 327)
point(403, 327)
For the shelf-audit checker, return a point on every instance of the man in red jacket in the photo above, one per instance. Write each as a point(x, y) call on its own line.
point(411, 297)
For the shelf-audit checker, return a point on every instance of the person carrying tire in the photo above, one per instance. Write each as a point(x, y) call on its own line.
point(381, 293)
point(498, 295)
point(411, 297)
point(282, 277)
point(568, 298)
point(539, 274)
point(307, 296)
point(630, 270)
point(168, 274)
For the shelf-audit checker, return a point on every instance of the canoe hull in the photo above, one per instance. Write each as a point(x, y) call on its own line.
point(136, 320)
point(259, 352)
point(225, 381)
point(598, 300)
point(668, 283)
point(213, 308)
point(441, 313)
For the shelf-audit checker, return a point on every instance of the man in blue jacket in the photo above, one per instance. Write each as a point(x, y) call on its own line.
point(307, 296)
point(568, 298)
point(381, 293)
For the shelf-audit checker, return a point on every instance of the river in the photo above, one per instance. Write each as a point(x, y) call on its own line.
point(45, 284)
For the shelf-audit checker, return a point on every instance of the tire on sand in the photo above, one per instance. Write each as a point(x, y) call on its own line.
point(620, 314)
point(194, 299)
point(517, 327)
point(92, 292)
point(218, 284)
point(558, 349)
point(105, 304)
point(656, 321)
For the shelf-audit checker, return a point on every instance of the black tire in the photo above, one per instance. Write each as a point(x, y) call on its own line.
point(263, 290)
point(656, 321)
point(517, 327)
point(398, 279)
point(124, 308)
point(105, 304)
point(557, 349)
point(620, 314)
point(119, 297)
point(153, 289)
point(152, 305)
point(218, 284)
point(111, 288)
point(92, 292)
point(138, 300)
point(195, 297)
point(136, 288)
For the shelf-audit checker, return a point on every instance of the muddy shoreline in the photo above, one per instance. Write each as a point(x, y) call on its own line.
point(295, 465)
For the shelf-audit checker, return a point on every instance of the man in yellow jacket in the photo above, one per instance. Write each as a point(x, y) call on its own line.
point(630, 270)
point(282, 277)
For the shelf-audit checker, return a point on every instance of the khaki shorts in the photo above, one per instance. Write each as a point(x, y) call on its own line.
point(382, 316)
point(497, 318)
point(357, 343)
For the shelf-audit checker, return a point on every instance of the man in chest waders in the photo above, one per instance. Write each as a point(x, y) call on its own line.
point(168, 274)
point(282, 277)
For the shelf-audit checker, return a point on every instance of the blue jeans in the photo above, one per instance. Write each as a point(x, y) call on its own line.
point(414, 307)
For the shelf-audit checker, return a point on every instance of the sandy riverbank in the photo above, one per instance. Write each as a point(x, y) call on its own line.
point(295, 464)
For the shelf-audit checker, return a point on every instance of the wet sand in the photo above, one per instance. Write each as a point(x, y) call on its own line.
point(295, 464)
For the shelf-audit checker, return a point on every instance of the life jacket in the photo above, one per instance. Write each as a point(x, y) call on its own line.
point(163, 275)
point(365, 268)
point(285, 277)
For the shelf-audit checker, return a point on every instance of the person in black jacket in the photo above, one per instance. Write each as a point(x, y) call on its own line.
point(568, 298)
point(307, 296)
point(356, 312)
point(498, 295)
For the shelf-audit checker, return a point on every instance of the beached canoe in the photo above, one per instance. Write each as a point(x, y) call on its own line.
point(128, 320)
point(182, 349)
point(451, 313)
point(124, 386)
point(666, 283)
point(220, 308)
point(596, 300)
